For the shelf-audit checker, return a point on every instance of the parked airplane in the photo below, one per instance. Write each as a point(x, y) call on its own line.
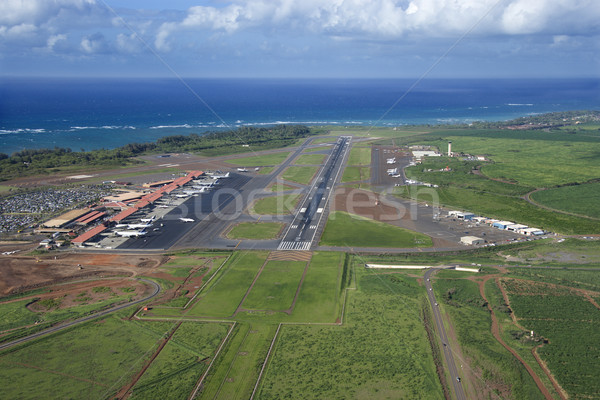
point(131, 233)
point(148, 219)
point(182, 195)
point(139, 226)
point(187, 219)
point(226, 175)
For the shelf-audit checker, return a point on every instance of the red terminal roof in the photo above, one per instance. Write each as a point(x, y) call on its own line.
point(123, 214)
point(93, 217)
point(89, 234)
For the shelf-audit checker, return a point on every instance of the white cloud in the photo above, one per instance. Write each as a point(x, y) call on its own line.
point(392, 18)
point(94, 44)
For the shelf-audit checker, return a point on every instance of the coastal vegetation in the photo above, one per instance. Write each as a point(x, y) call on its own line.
point(48, 161)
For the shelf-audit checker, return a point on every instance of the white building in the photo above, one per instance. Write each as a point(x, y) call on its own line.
point(471, 240)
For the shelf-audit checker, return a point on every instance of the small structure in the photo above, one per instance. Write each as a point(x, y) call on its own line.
point(471, 240)
point(502, 224)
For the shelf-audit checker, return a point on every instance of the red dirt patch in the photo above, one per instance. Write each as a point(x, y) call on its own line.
point(21, 273)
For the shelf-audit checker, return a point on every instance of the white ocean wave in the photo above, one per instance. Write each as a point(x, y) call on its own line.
point(520, 104)
point(187, 126)
point(21, 130)
point(109, 127)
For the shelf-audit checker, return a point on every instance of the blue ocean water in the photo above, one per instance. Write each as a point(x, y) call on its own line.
point(107, 113)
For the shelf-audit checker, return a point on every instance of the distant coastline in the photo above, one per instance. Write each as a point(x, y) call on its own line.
point(92, 114)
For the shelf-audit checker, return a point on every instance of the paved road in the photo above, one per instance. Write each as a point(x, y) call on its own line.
point(303, 229)
point(83, 319)
point(458, 389)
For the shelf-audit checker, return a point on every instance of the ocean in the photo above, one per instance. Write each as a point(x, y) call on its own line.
point(86, 114)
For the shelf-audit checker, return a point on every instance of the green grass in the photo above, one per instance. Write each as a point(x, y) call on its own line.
point(349, 230)
point(222, 298)
point(352, 174)
point(15, 315)
point(503, 207)
point(174, 373)
point(276, 286)
point(276, 205)
point(266, 170)
point(262, 160)
point(318, 149)
point(377, 132)
point(255, 230)
point(460, 175)
point(329, 139)
point(302, 175)
point(523, 156)
point(237, 370)
point(114, 350)
point(178, 272)
point(124, 176)
point(310, 159)
point(381, 352)
point(319, 298)
point(359, 156)
point(579, 199)
point(280, 187)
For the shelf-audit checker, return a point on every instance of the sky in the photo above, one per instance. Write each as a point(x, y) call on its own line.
point(300, 38)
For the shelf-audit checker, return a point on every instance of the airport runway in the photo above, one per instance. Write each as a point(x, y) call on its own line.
point(451, 365)
point(303, 229)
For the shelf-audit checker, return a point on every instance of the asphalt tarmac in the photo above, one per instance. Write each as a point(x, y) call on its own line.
point(307, 222)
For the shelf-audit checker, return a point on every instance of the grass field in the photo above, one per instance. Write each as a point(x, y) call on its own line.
point(302, 175)
point(381, 352)
point(266, 170)
point(237, 370)
point(378, 132)
point(310, 159)
point(255, 230)
point(16, 315)
point(359, 156)
point(349, 230)
point(114, 350)
point(579, 199)
point(276, 286)
point(523, 156)
point(352, 174)
point(319, 298)
point(174, 373)
point(262, 160)
point(222, 298)
point(330, 139)
point(276, 205)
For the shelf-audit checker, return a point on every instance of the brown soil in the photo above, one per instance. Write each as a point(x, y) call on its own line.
point(366, 204)
point(21, 273)
point(81, 293)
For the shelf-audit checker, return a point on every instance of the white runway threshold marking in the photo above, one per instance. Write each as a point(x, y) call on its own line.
point(294, 246)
